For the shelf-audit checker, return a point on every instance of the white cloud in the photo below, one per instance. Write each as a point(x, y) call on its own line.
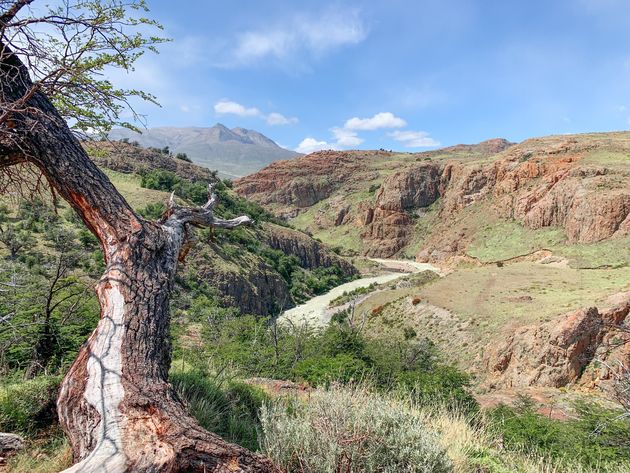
point(346, 138)
point(279, 119)
point(380, 120)
point(300, 36)
point(414, 139)
point(343, 139)
point(227, 107)
point(310, 145)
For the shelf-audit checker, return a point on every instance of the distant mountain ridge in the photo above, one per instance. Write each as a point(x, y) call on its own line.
point(233, 152)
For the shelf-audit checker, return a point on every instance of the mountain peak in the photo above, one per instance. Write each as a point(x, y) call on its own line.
point(233, 153)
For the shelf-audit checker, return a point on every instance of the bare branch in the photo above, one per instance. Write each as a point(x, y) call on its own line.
point(202, 216)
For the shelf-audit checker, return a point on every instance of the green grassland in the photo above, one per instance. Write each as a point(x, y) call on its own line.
point(129, 186)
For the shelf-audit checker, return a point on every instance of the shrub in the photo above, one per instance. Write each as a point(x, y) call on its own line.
point(373, 188)
point(326, 369)
point(183, 157)
point(28, 406)
point(598, 437)
point(350, 430)
point(153, 211)
point(442, 384)
point(229, 409)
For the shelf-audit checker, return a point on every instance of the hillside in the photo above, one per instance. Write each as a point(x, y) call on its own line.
point(233, 153)
point(490, 201)
point(534, 238)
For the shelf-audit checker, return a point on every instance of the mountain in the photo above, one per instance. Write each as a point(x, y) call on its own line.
point(234, 153)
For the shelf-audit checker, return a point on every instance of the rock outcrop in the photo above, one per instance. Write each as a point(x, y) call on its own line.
point(585, 346)
point(299, 183)
point(388, 225)
point(260, 290)
point(308, 251)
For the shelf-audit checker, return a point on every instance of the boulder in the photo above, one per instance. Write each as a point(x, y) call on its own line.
point(10, 444)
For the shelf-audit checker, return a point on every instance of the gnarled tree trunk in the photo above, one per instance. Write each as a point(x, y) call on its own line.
point(116, 404)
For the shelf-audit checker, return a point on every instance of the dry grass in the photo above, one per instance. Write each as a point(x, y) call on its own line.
point(323, 434)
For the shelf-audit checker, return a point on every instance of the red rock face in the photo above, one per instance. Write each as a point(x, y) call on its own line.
point(540, 183)
point(576, 348)
point(388, 225)
point(300, 182)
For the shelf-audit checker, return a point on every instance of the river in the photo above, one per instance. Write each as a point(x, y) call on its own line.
point(314, 311)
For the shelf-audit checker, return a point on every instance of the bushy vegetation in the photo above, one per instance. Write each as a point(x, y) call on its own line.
point(47, 305)
point(340, 353)
point(596, 437)
point(28, 406)
point(225, 406)
point(229, 206)
point(350, 430)
point(347, 296)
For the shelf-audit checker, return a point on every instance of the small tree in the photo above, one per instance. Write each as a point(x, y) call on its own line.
point(183, 157)
point(115, 404)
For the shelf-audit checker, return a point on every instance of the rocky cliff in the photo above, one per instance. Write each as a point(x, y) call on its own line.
point(579, 183)
point(588, 346)
point(311, 253)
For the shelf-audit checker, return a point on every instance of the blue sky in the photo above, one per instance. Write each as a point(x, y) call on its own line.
point(398, 74)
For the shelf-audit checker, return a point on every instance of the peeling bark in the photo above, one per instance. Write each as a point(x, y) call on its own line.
point(115, 404)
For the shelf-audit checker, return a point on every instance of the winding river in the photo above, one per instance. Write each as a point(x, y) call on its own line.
point(314, 311)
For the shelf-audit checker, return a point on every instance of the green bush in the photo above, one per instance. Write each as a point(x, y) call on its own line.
point(229, 409)
point(350, 430)
point(183, 157)
point(28, 406)
point(440, 384)
point(326, 369)
point(597, 437)
point(153, 211)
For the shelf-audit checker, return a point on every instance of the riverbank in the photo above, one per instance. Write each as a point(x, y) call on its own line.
point(315, 311)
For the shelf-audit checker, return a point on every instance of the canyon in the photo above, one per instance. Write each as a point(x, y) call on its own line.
point(533, 239)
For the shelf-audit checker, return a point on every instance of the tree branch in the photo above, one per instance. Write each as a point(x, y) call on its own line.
point(12, 11)
point(202, 216)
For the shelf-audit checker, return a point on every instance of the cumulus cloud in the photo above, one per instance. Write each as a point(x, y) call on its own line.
point(279, 119)
point(414, 139)
point(380, 120)
point(227, 107)
point(310, 145)
point(299, 37)
point(346, 138)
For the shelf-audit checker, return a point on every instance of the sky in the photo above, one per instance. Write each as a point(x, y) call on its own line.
point(395, 74)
